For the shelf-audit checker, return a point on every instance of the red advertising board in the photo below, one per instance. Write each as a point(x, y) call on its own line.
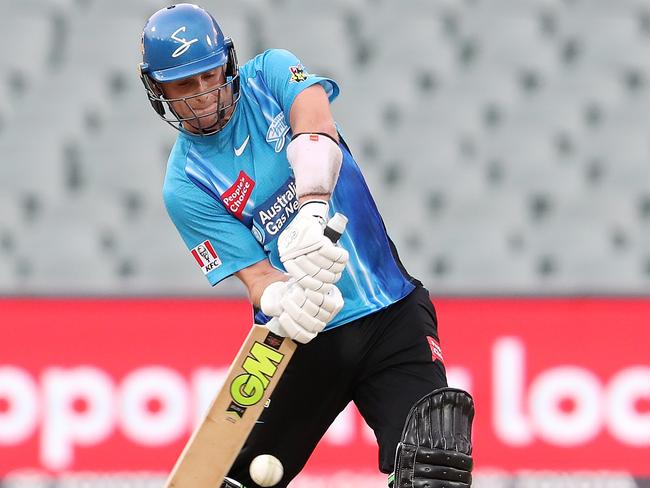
point(116, 385)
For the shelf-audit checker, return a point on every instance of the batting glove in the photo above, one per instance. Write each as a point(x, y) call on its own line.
point(300, 313)
point(307, 254)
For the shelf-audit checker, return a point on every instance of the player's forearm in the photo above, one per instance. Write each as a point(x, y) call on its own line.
point(257, 277)
point(255, 293)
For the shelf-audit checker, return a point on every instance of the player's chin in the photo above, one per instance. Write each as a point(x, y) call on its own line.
point(207, 121)
point(208, 118)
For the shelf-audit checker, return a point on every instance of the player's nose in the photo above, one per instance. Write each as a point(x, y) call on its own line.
point(202, 96)
point(203, 85)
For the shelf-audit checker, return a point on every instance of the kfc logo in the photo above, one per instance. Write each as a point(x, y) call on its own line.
point(206, 257)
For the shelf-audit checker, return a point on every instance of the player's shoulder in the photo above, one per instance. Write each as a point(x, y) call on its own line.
point(269, 59)
point(178, 191)
point(174, 175)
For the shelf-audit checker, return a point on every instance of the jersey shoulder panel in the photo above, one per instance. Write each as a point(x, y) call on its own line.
point(282, 74)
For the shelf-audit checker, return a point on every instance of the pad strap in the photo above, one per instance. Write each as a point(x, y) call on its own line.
point(421, 467)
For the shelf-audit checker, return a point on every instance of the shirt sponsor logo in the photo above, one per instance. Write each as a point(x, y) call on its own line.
point(236, 197)
point(206, 257)
point(436, 350)
point(277, 211)
point(277, 132)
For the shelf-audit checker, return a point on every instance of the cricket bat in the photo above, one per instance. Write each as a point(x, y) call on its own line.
point(215, 443)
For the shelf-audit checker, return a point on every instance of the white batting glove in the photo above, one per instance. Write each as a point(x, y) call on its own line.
point(299, 313)
point(308, 256)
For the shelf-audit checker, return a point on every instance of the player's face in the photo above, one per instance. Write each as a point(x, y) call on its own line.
point(197, 98)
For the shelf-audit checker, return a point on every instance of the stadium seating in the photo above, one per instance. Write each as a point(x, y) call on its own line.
point(506, 141)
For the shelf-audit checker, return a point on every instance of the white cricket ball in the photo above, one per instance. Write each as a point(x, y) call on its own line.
point(266, 470)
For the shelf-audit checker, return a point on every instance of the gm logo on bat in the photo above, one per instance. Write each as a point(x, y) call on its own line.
point(248, 388)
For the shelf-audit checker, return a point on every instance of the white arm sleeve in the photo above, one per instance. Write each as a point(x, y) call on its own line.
point(316, 161)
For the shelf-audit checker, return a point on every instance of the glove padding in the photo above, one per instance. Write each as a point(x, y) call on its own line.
point(308, 255)
point(299, 313)
point(320, 267)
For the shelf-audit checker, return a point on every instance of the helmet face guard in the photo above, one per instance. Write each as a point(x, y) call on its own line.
point(227, 96)
point(181, 41)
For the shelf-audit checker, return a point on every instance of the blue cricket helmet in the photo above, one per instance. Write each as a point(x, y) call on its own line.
point(180, 41)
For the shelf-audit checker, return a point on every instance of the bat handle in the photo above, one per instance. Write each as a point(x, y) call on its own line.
point(335, 227)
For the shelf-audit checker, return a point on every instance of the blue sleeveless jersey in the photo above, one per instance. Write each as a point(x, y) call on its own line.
point(232, 193)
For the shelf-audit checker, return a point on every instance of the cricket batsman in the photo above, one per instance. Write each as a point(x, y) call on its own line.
point(258, 168)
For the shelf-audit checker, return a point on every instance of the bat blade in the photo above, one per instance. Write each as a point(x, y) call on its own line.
point(217, 440)
point(253, 375)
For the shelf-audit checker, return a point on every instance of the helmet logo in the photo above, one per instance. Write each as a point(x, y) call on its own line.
point(185, 44)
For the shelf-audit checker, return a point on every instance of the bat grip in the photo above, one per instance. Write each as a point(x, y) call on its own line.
point(335, 227)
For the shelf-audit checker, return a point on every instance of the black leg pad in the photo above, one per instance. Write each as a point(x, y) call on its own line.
point(436, 446)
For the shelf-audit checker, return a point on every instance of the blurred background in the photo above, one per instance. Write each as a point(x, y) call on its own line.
point(506, 142)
